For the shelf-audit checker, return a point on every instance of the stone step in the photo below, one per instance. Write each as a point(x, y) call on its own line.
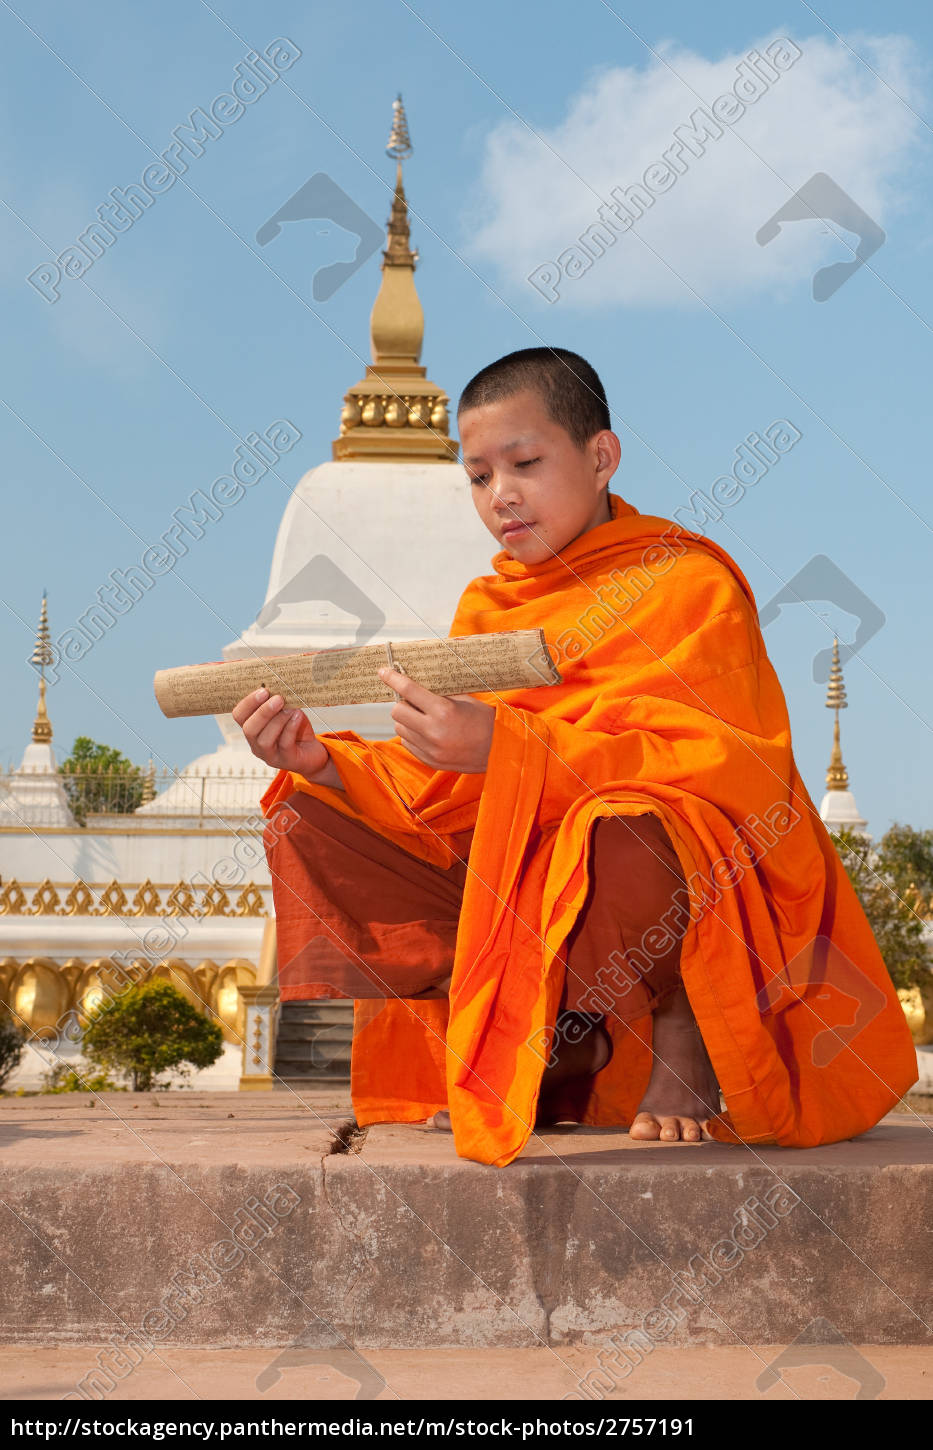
point(331, 1069)
point(294, 1078)
point(314, 1040)
point(300, 1232)
point(317, 1017)
point(299, 1031)
point(317, 1051)
point(324, 1009)
point(326, 1044)
point(673, 1375)
point(324, 1051)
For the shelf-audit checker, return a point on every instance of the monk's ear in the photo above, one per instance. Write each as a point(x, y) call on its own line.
point(607, 451)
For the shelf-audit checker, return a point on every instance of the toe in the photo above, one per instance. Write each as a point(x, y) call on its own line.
point(670, 1130)
point(690, 1130)
point(440, 1120)
point(645, 1128)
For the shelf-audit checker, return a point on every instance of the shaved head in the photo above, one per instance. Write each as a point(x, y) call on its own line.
point(569, 388)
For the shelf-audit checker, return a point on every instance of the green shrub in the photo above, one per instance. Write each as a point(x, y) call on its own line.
point(64, 1078)
point(148, 1030)
point(12, 1045)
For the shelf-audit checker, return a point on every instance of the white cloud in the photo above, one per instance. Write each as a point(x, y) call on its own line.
point(826, 113)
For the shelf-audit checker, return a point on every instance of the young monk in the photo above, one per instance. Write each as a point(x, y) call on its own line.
point(609, 900)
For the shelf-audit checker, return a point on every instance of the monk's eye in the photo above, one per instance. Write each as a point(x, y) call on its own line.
point(479, 478)
point(527, 462)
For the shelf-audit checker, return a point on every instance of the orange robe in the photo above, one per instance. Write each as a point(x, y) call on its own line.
point(669, 704)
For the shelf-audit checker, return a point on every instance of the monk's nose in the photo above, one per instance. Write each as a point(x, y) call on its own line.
point(504, 495)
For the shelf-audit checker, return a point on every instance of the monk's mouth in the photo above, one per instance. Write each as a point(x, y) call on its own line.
point(511, 530)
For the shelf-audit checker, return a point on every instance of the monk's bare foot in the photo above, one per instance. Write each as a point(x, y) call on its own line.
point(683, 1091)
point(582, 1047)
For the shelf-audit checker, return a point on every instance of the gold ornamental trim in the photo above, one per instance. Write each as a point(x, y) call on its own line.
point(113, 899)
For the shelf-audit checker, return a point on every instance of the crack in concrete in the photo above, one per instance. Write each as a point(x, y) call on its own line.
point(551, 1203)
point(349, 1137)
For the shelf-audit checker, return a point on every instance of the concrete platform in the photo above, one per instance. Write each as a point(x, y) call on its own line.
point(670, 1376)
point(253, 1221)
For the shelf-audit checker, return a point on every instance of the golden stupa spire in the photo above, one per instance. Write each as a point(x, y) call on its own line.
point(399, 142)
point(398, 253)
point(148, 790)
point(395, 414)
point(42, 655)
point(837, 777)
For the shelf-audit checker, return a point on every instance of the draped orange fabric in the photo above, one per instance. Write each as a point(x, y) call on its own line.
point(670, 705)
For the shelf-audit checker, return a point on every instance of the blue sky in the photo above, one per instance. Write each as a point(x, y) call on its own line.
point(129, 391)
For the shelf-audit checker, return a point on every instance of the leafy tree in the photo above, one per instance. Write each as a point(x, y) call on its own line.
point(147, 1030)
point(12, 1044)
point(906, 856)
point(890, 880)
point(99, 778)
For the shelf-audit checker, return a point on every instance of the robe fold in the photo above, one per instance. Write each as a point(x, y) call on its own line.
point(669, 705)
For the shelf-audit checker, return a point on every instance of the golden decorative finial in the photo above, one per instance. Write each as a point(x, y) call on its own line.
point(149, 790)
point(395, 414)
point(42, 655)
point(837, 777)
point(399, 143)
point(398, 253)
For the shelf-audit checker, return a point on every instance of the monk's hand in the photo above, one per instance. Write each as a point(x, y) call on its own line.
point(283, 738)
point(447, 732)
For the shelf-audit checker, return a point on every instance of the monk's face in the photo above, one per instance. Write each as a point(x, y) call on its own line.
point(534, 488)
